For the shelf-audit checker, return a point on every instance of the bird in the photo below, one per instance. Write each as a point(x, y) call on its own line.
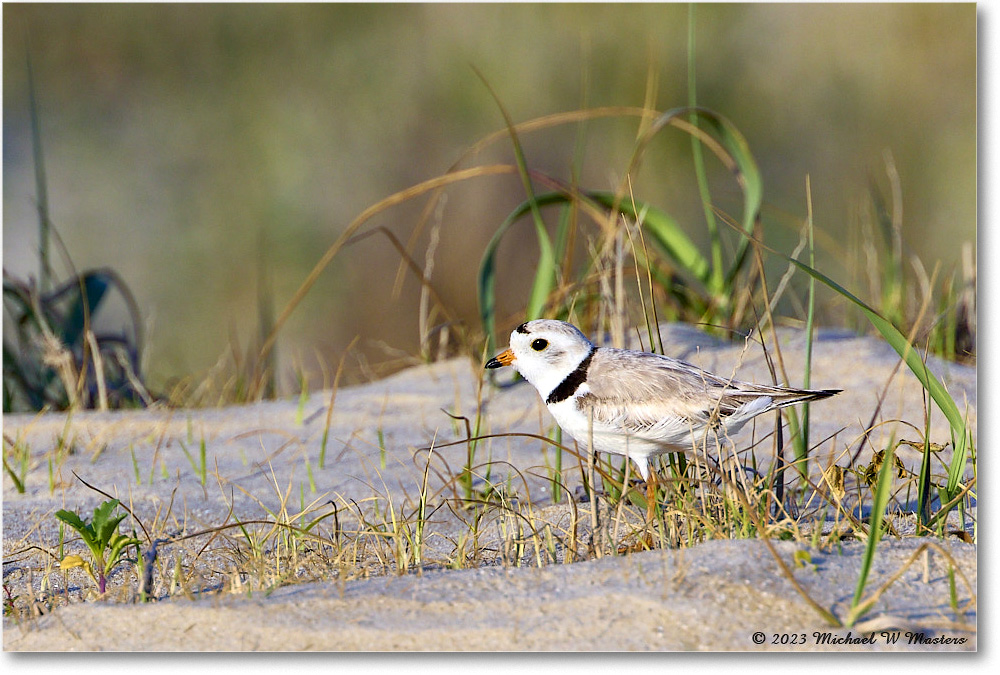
point(632, 403)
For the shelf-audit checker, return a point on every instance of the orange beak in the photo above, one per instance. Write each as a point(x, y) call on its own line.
point(500, 360)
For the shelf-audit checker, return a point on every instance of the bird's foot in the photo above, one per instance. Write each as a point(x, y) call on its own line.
point(643, 543)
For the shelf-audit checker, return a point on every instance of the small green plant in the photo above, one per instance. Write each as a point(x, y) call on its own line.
point(199, 466)
point(107, 545)
point(9, 600)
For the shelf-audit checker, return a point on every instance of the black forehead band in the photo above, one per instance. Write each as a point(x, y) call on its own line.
point(522, 328)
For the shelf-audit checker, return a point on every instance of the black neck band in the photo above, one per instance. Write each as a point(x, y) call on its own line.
point(572, 382)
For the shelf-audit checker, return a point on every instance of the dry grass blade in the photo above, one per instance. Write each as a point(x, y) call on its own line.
point(519, 129)
point(345, 236)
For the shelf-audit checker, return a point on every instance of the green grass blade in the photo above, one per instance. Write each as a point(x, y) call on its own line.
point(569, 212)
point(545, 273)
point(957, 467)
point(716, 281)
point(902, 347)
point(135, 465)
point(202, 470)
point(666, 232)
point(720, 136)
point(800, 438)
point(880, 500)
point(924, 478)
point(41, 183)
point(191, 460)
point(663, 229)
point(747, 175)
point(18, 485)
point(486, 282)
point(20, 459)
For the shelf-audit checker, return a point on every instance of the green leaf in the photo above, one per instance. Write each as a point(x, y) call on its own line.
point(924, 479)
point(957, 467)
point(104, 523)
point(18, 485)
point(109, 529)
point(74, 521)
point(118, 543)
point(85, 303)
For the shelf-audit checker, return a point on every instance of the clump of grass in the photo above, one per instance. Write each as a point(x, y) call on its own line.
point(899, 286)
point(16, 461)
point(54, 359)
point(200, 465)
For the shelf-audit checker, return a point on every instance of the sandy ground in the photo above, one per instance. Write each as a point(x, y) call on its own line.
point(714, 596)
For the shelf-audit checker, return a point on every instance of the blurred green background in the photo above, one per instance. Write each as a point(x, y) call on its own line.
point(184, 143)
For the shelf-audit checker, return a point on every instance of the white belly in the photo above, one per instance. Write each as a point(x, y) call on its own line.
point(611, 439)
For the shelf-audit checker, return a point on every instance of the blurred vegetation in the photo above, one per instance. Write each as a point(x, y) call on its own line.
point(199, 148)
point(54, 358)
point(55, 353)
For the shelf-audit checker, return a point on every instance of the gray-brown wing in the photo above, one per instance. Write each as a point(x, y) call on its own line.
point(641, 390)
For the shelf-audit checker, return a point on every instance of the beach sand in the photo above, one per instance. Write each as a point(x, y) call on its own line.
point(713, 596)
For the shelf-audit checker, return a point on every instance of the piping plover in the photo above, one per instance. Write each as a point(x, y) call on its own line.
point(643, 404)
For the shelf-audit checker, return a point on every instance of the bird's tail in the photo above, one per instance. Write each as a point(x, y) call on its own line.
point(785, 397)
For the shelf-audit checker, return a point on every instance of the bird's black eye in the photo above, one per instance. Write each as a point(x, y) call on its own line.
point(539, 344)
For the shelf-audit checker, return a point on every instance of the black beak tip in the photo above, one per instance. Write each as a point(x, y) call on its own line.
point(494, 363)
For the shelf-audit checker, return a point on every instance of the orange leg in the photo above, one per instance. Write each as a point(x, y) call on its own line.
point(644, 543)
point(650, 507)
point(650, 497)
